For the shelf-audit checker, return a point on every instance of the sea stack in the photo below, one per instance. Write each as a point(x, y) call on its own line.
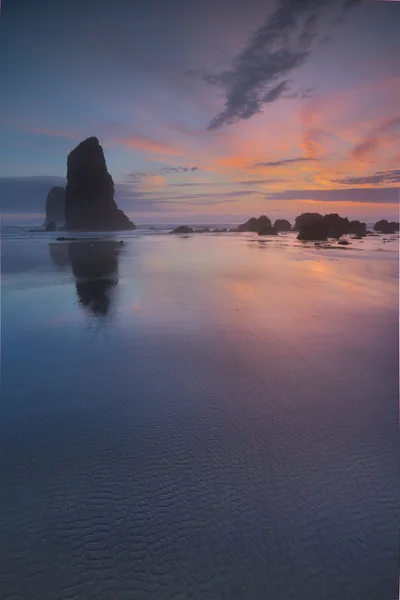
point(55, 206)
point(89, 195)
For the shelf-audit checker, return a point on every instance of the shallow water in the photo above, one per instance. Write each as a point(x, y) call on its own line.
point(211, 416)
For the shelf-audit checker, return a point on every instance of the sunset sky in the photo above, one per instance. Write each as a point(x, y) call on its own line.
point(212, 110)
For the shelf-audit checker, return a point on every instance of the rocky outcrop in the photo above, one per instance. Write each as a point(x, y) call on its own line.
point(314, 231)
point(89, 195)
point(332, 225)
point(384, 226)
point(357, 228)
point(282, 225)
point(51, 226)
point(268, 231)
point(254, 225)
point(183, 229)
point(55, 206)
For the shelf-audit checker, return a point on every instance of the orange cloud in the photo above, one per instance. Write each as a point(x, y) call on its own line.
point(145, 144)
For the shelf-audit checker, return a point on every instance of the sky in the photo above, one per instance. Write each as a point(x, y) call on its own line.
point(208, 111)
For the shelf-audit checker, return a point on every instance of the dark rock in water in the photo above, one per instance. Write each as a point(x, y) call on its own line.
point(344, 243)
point(314, 231)
point(66, 239)
point(306, 220)
point(51, 226)
point(282, 225)
point(183, 229)
point(384, 226)
point(255, 225)
point(223, 230)
point(358, 228)
point(337, 226)
point(334, 225)
point(268, 231)
point(89, 195)
point(206, 230)
point(55, 206)
point(357, 237)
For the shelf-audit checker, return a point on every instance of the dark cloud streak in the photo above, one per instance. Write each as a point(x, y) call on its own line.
point(376, 178)
point(260, 73)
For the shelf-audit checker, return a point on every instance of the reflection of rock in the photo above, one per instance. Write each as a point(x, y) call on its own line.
point(95, 267)
point(55, 206)
point(59, 254)
point(384, 226)
point(51, 226)
point(255, 225)
point(344, 243)
point(89, 195)
point(182, 229)
point(282, 225)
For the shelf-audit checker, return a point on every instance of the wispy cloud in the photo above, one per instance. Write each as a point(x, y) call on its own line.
point(377, 178)
point(281, 163)
point(180, 169)
point(260, 74)
point(388, 195)
point(138, 176)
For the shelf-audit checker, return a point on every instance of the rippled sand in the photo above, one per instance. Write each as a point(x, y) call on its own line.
point(207, 417)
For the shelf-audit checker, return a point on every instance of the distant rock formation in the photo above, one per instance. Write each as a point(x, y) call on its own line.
point(55, 206)
point(384, 226)
point(268, 231)
point(183, 229)
point(51, 226)
point(314, 231)
point(254, 225)
point(358, 228)
point(89, 195)
point(282, 225)
point(332, 225)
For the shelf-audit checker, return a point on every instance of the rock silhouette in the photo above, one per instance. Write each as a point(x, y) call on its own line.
point(268, 231)
point(357, 228)
point(255, 225)
point(313, 226)
point(182, 229)
point(51, 226)
point(384, 226)
point(89, 195)
point(282, 225)
point(55, 206)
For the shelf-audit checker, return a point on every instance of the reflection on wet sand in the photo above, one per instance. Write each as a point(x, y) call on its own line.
point(95, 268)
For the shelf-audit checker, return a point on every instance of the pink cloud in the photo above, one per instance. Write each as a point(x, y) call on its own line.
point(147, 145)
